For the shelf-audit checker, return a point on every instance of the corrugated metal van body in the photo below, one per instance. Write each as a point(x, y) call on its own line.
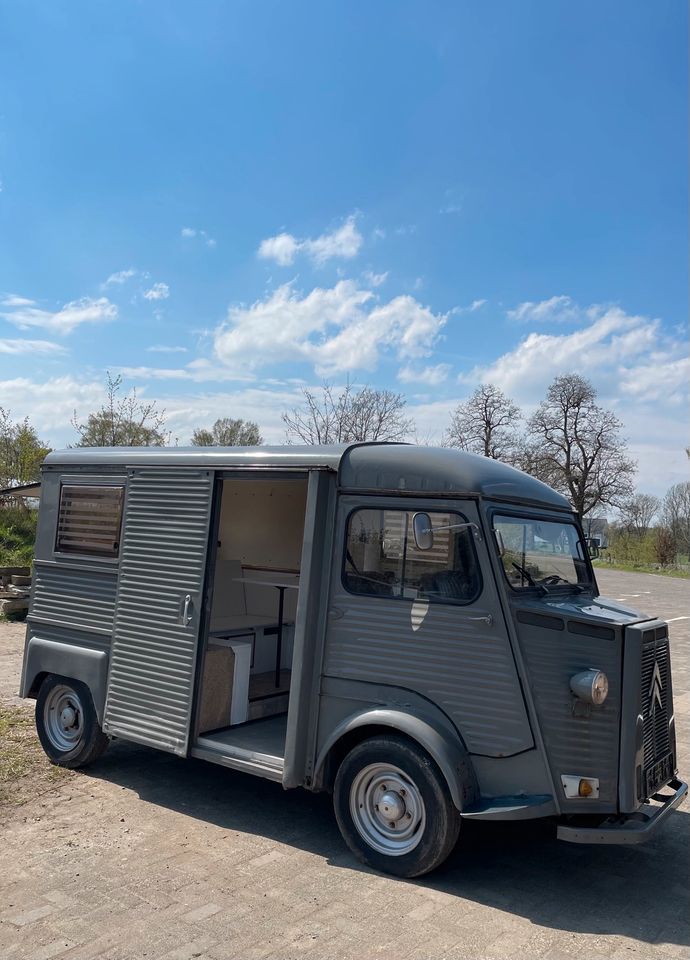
point(163, 561)
point(72, 595)
point(451, 654)
point(579, 741)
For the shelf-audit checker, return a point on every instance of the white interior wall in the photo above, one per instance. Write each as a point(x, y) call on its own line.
point(261, 524)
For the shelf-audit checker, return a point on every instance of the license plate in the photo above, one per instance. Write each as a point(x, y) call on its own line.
point(658, 774)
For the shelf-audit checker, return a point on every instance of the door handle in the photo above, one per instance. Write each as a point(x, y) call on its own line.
point(488, 620)
point(186, 615)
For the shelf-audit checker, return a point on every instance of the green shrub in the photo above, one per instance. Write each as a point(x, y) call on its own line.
point(17, 536)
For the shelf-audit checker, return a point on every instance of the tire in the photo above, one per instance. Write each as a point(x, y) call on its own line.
point(67, 724)
point(394, 808)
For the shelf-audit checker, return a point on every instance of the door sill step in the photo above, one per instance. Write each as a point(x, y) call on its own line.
point(237, 758)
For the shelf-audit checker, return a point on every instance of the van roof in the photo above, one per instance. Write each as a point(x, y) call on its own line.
point(371, 466)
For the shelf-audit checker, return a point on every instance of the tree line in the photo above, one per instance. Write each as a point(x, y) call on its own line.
point(570, 442)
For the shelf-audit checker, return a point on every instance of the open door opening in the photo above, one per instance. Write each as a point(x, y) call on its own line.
point(247, 659)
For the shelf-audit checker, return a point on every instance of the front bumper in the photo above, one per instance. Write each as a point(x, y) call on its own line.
point(629, 827)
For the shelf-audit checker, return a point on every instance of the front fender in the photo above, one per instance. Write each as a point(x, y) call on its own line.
point(448, 753)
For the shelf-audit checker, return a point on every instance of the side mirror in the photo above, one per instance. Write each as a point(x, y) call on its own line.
point(593, 547)
point(422, 531)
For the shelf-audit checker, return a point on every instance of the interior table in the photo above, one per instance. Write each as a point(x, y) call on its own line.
point(281, 587)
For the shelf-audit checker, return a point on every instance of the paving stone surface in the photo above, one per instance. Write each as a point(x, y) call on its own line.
point(149, 856)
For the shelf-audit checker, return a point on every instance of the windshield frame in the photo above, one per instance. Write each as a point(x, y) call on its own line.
point(539, 589)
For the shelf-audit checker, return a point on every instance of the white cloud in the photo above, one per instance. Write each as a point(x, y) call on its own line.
point(161, 348)
point(159, 291)
point(375, 279)
point(282, 248)
point(609, 336)
point(432, 375)
point(554, 310)
point(344, 242)
point(470, 308)
point(18, 347)
point(122, 276)
point(66, 319)
point(451, 208)
point(664, 377)
point(155, 373)
point(189, 233)
point(12, 300)
point(638, 371)
point(336, 329)
point(51, 405)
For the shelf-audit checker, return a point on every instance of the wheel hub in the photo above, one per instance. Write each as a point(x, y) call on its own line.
point(392, 805)
point(68, 717)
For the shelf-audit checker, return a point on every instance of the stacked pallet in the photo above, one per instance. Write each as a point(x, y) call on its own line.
point(15, 585)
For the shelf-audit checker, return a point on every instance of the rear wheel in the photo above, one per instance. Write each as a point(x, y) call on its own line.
point(67, 724)
point(393, 807)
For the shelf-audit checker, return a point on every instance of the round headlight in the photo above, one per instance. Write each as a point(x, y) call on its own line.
point(600, 688)
point(592, 686)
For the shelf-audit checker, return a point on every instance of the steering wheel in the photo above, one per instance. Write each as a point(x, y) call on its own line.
point(554, 578)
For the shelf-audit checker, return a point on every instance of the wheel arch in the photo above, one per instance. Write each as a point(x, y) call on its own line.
point(450, 755)
point(49, 657)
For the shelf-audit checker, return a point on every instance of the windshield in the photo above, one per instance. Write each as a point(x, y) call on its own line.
point(541, 553)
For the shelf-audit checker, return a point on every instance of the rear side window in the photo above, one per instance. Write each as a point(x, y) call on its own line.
point(381, 558)
point(89, 520)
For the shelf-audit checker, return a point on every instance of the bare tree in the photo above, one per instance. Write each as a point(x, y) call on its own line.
point(331, 416)
point(227, 432)
point(637, 513)
point(575, 446)
point(486, 424)
point(122, 421)
point(676, 515)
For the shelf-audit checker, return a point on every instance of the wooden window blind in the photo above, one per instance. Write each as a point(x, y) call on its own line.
point(89, 520)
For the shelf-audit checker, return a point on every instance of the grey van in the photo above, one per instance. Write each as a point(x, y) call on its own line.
point(416, 630)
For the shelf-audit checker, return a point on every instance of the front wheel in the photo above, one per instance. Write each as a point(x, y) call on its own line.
point(393, 807)
point(67, 724)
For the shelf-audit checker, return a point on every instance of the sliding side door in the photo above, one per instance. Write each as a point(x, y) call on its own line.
point(164, 548)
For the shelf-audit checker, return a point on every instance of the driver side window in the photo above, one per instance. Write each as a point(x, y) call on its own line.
point(381, 558)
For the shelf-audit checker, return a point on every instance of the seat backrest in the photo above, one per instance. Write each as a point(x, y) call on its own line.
point(228, 593)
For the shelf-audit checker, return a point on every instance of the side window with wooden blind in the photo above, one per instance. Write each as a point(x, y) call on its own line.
point(89, 520)
point(381, 558)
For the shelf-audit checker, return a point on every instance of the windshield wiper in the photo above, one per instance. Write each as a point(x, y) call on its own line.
point(526, 575)
point(555, 580)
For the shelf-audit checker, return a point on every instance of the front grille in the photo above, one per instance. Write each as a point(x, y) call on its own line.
point(655, 696)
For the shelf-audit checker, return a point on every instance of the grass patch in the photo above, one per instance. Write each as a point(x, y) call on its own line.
point(16, 617)
point(25, 771)
point(17, 536)
point(643, 568)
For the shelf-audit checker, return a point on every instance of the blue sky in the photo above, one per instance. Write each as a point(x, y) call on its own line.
point(226, 201)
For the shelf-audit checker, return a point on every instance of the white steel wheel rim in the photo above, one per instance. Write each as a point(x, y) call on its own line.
point(63, 717)
point(387, 809)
